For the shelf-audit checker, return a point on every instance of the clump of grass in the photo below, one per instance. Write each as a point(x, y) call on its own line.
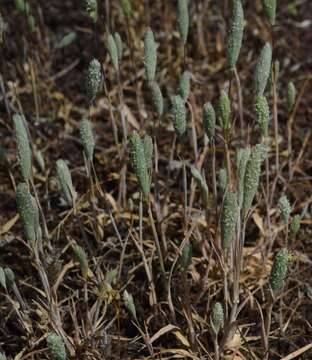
point(66, 183)
point(236, 32)
point(56, 346)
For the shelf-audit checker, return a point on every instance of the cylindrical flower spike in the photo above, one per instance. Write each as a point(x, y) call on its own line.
point(224, 111)
point(126, 8)
point(186, 256)
point(23, 147)
point(29, 213)
point(209, 121)
point(229, 218)
point(184, 85)
point(178, 112)
point(150, 55)
point(269, 7)
point(202, 184)
point(262, 111)
point(91, 8)
point(222, 179)
point(119, 45)
point(139, 164)
point(82, 259)
point(285, 208)
point(263, 69)
point(65, 181)
point(291, 95)
point(217, 317)
point(279, 271)
point(129, 303)
point(157, 98)
point(93, 80)
point(87, 139)
point(183, 19)
point(242, 160)
point(113, 51)
point(295, 224)
point(56, 347)
point(236, 32)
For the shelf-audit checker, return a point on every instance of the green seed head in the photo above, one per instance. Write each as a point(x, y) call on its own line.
point(23, 147)
point(129, 303)
point(262, 111)
point(40, 160)
point(202, 184)
point(150, 55)
point(263, 69)
point(217, 317)
point(222, 179)
point(139, 164)
point(178, 112)
point(224, 111)
point(9, 275)
point(183, 19)
point(119, 45)
point(93, 80)
point(91, 8)
point(269, 7)
point(65, 181)
point(2, 278)
point(295, 224)
point(184, 85)
point(148, 150)
point(186, 256)
point(236, 32)
point(22, 6)
point(242, 159)
point(252, 175)
point(279, 271)
point(285, 208)
point(209, 120)
point(157, 98)
point(113, 51)
point(29, 213)
point(291, 96)
point(82, 259)
point(87, 139)
point(56, 346)
point(229, 219)
point(126, 8)
point(31, 23)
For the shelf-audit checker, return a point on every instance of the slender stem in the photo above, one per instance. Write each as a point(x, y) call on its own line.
point(216, 347)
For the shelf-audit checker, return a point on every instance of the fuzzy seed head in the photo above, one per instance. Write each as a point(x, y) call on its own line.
point(129, 303)
point(222, 179)
point(178, 112)
point(242, 159)
point(65, 181)
point(2, 278)
point(229, 219)
point(252, 175)
point(209, 121)
point(126, 8)
point(23, 147)
point(113, 51)
point(9, 275)
point(185, 85)
point(119, 45)
point(262, 111)
point(285, 208)
point(157, 98)
point(82, 259)
point(202, 184)
point(224, 111)
point(56, 347)
point(291, 95)
point(91, 8)
point(183, 19)
point(139, 164)
point(186, 256)
point(295, 224)
point(28, 210)
point(93, 80)
point(263, 69)
point(217, 317)
point(22, 6)
point(150, 55)
point(236, 32)
point(87, 138)
point(269, 7)
point(279, 271)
